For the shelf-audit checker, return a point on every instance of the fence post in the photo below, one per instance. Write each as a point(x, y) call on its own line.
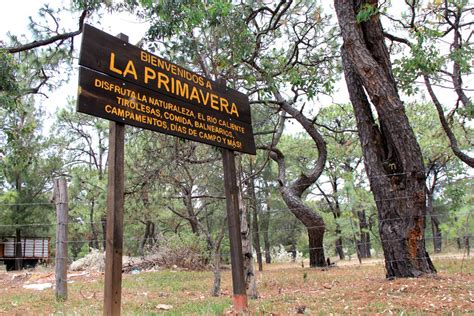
point(61, 202)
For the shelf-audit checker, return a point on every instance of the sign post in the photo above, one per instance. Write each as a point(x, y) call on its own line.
point(115, 209)
point(127, 85)
point(233, 221)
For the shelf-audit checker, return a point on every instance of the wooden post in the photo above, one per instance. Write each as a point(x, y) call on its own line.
point(233, 221)
point(115, 209)
point(114, 231)
point(61, 202)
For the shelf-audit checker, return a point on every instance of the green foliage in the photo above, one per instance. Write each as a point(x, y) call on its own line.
point(425, 58)
point(458, 196)
point(366, 11)
point(26, 167)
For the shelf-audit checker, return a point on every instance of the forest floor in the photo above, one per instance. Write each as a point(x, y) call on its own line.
point(285, 288)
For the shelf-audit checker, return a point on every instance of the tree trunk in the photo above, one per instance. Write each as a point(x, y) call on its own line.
point(364, 243)
point(458, 242)
point(18, 251)
point(19, 210)
point(256, 231)
point(336, 211)
point(392, 157)
point(103, 222)
point(467, 245)
point(191, 214)
point(437, 237)
point(215, 247)
point(148, 237)
point(249, 271)
point(93, 243)
point(216, 271)
point(265, 222)
point(314, 225)
point(338, 242)
point(292, 192)
point(316, 248)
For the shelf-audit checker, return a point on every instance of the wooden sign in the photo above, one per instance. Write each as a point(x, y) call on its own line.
point(127, 85)
point(110, 98)
point(132, 86)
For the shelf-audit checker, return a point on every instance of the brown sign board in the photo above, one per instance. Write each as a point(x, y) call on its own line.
point(123, 83)
point(113, 99)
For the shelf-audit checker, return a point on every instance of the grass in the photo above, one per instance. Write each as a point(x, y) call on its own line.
point(283, 289)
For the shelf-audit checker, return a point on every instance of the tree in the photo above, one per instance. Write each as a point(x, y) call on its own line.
point(392, 156)
point(438, 36)
point(215, 38)
point(339, 131)
point(83, 140)
point(440, 162)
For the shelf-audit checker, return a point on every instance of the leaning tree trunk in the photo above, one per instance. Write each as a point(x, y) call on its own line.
point(392, 156)
point(292, 192)
point(311, 220)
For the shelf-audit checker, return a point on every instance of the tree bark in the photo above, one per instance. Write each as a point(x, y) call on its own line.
point(216, 271)
point(313, 222)
point(392, 156)
point(148, 237)
point(93, 243)
point(265, 224)
point(364, 243)
point(249, 271)
point(336, 210)
point(338, 242)
point(437, 237)
point(103, 222)
point(467, 245)
point(18, 251)
point(256, 231)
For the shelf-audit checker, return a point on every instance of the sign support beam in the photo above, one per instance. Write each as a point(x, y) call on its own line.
point(233, 221)
point(115, 210)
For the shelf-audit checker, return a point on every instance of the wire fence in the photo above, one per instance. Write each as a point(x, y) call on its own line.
point(350, 243)
point(463, 242)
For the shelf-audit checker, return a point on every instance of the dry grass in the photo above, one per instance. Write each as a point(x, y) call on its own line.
point(283, 288)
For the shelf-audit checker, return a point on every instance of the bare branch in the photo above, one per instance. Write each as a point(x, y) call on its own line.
point(59, 37)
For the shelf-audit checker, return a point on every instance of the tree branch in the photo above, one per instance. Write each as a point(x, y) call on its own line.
point(444, 123)
point(59, 37)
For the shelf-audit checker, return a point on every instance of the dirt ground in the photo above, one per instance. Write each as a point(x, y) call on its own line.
point(289, 288)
